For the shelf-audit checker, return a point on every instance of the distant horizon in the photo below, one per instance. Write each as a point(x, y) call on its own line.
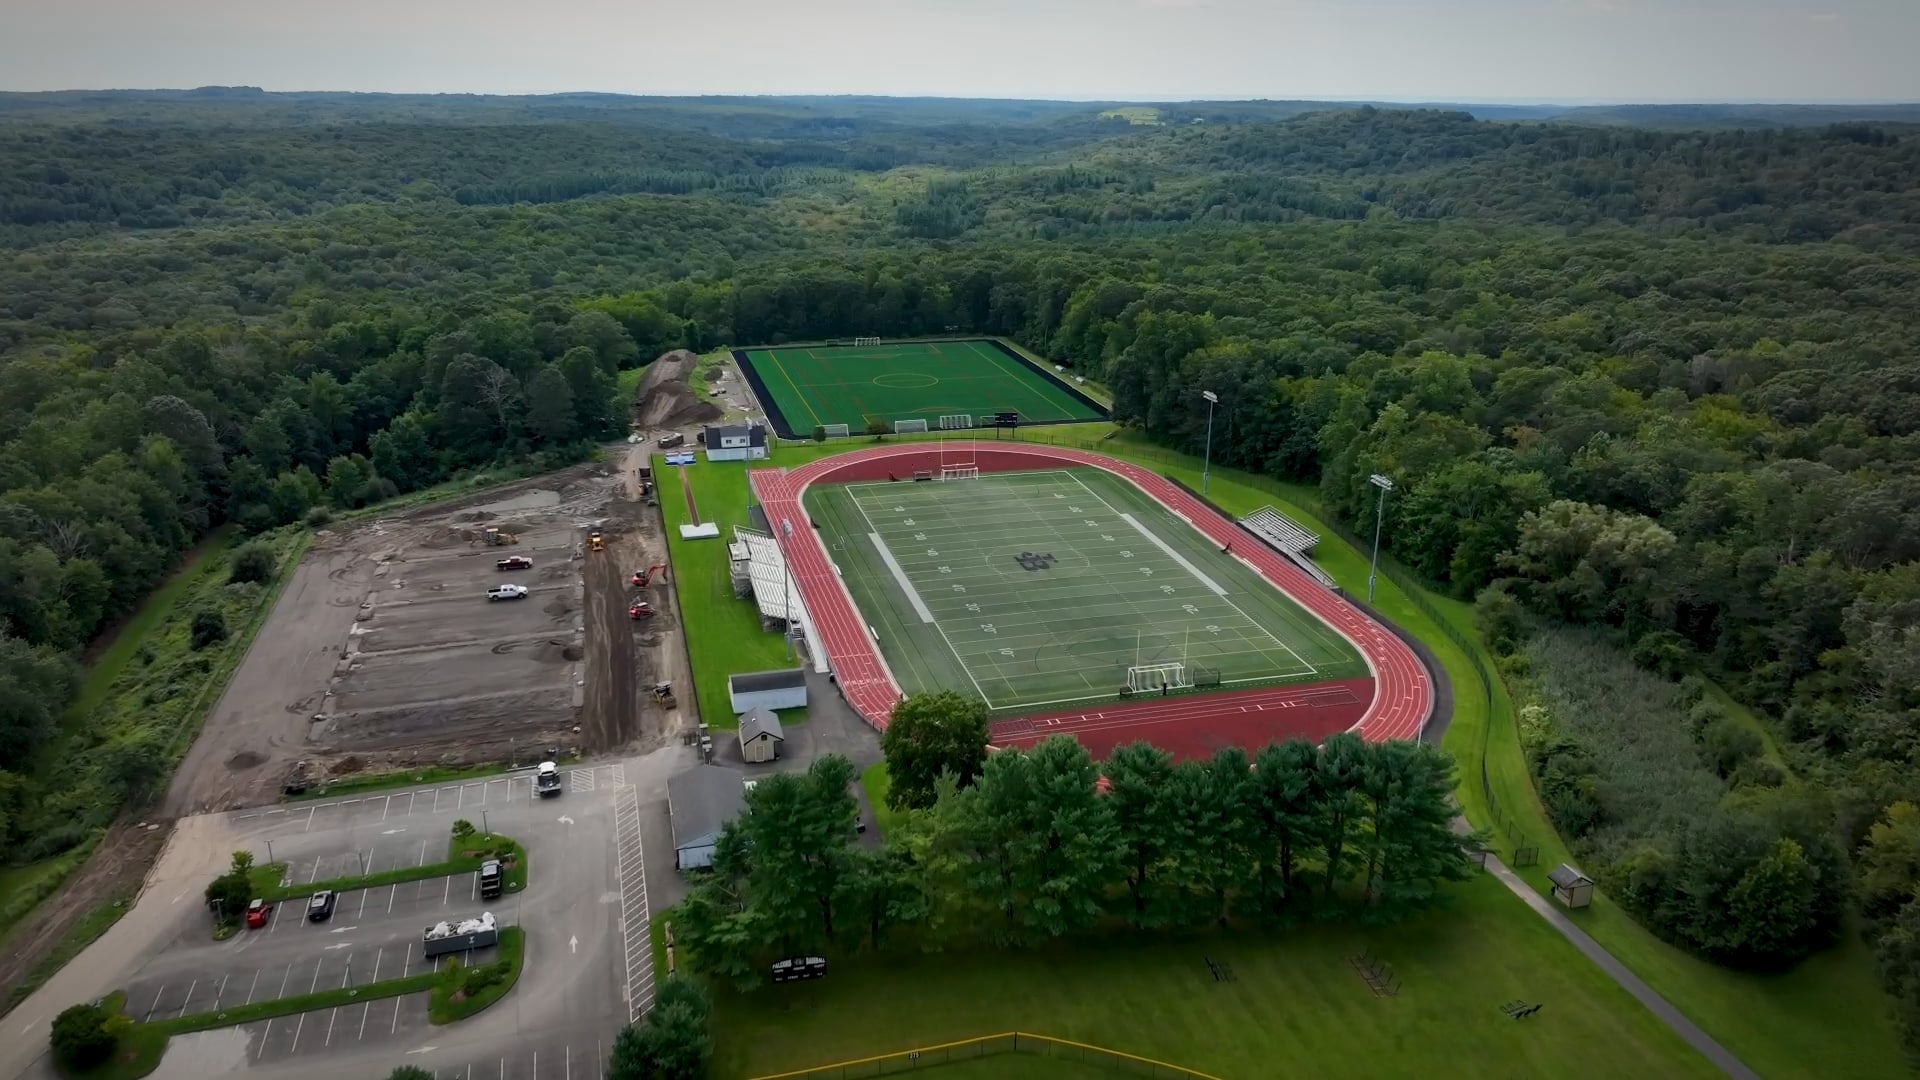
point(1363, 99)
point(1543, 53)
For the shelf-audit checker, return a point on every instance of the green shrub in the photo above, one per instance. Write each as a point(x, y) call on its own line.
point(81, 1036)
point(1757, 772)
point(209, 628)
point(819, 433)
point(319, 516)
point(1729, 745)
point(252, 562)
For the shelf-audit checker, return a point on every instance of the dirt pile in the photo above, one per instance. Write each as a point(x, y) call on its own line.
point(664, 400)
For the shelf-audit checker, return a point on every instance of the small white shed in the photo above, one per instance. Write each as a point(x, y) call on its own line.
point(736, 442)
point(767, 690)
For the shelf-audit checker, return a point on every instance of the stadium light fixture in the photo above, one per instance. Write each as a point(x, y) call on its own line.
point(1206, 466)
point(1385, 484)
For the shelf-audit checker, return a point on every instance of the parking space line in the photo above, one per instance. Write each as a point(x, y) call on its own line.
point(156, 1000)
point(408, 966)
point(332, 1014)
point(473, 887)
point(297, 1029)
point(569, 1061)
point(222, 992)
point(265, 1034)
point(310, 811)
point(183, 1005)
point(315, 875)
point(367, 867)
point(396, 1016)
point(436, 800)
point(385, 805)
point(392, 891)
point(411, 795)
point(363, 1020)
point(318, 964)
point(363, 903)
point(252, 986)
point(273, 919)
point(461, 805)
point(283, 983)
point(446, 892)
point(423, 854)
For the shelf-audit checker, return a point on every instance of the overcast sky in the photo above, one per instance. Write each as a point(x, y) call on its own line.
point(1399, 50)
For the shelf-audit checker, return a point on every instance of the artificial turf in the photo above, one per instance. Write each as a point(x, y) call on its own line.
point(812, 386)
point(1038, 589)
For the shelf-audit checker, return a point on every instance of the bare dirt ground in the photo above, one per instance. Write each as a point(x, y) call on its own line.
point(118, 866)
point(384, 651)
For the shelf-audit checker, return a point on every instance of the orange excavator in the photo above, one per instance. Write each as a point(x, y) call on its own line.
point(642, 578)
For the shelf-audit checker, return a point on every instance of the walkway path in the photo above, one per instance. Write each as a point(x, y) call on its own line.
point(1628, 981)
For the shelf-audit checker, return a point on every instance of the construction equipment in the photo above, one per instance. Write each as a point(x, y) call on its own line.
point(643, 578)
point(663, 695)
point(640, 610)
point(513, 562)
point(464, 936)
point(497, 538)
point(596, 542)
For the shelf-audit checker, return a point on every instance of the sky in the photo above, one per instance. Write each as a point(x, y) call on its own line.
point(1564, 51)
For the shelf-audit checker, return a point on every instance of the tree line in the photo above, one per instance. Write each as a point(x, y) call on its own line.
point(1038, 847)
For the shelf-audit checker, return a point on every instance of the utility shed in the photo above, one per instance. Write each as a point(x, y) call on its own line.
point(760, 736)
point(767, 690)
point(736, 442)
point(700, 802)
point(1570, 886)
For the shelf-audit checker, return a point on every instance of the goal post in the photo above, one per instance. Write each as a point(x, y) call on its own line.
point(1143, 678)
point(964, 473)
point(837, 431)
point(909, 427)
point(863, 341)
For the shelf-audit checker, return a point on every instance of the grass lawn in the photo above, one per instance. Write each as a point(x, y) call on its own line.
point(875, 783)
point(454, 1000)
point(22, 887)
point(816, 385)
point(1826, 1017)
point(723, 633)
point(1296, 1000)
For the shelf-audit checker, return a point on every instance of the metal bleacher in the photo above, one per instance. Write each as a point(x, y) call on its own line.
point(1287, 537)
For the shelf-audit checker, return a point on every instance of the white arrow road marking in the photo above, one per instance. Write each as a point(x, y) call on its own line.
point(573, 943)
point(564, 820)
point(340, 945)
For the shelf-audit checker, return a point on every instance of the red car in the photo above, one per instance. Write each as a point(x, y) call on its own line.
point(258, 912)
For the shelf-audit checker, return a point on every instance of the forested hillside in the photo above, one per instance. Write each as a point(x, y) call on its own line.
point(1652, 397)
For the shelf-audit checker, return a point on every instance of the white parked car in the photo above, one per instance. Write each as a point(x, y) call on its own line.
point(507, 592)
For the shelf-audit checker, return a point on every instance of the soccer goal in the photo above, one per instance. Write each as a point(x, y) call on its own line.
point(836, 431)
point(1147, 677)
point(866, 341)
point(908, 427)
point(956, 421)
point(964, 473)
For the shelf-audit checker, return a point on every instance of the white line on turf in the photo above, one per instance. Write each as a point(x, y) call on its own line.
point(900, 576)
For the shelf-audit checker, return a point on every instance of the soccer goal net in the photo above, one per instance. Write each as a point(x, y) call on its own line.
point(956, 421)
point(836, 431)
point(866, 341)
point(905, 427)
point(964, 473)
point(1146, 677)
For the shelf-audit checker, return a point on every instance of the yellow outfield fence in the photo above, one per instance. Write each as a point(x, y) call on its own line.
point(1007, 1042)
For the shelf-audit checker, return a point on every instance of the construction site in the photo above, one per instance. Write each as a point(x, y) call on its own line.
point(500, 627)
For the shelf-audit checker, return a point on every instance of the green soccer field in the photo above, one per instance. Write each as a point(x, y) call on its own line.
point(1039, 589)
point(816, 386)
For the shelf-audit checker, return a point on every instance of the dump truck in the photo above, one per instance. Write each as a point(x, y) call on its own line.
point(443, 938)
point(546, 780)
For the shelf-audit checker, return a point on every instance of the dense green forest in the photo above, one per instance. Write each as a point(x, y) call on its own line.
point(1650, 396)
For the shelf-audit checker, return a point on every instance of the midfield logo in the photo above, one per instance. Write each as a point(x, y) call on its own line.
point(1029, 561)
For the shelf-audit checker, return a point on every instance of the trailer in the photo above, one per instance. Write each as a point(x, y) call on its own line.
point(444, 938)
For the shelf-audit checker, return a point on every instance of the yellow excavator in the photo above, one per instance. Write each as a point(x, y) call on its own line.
point(596, 542)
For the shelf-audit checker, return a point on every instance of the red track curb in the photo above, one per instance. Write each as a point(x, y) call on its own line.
point(1402, 691)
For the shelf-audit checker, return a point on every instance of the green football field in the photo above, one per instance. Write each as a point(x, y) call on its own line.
point(1041, 589)
point(819, 385)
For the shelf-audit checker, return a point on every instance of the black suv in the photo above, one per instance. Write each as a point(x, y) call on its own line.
point(320, 908)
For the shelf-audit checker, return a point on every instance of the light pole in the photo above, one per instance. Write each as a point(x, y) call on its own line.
point(1379, 514)
point(269, 851)
point(1206, 466)
point(786, 583)
point(483, 824)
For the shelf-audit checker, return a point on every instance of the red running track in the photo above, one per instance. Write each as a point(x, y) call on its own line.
point(1402, 694)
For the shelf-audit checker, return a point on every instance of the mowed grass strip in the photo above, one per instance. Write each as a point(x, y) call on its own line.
point(464, 856)
point(1295, 1008)
point(722, 631)
point(815, 385)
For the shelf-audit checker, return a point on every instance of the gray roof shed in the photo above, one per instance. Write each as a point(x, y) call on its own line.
point(701, 801)
point(757, 722)
point(752, 681)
